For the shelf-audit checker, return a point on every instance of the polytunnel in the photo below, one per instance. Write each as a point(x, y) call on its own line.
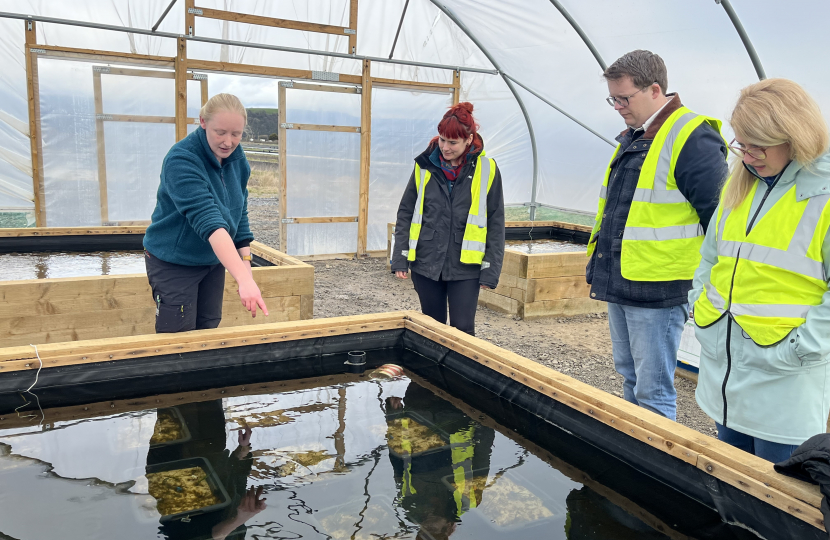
point(94, 93)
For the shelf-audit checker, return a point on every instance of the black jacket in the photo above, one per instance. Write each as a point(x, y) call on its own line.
point(811, 462)
point(444, 222)
point(700, 171)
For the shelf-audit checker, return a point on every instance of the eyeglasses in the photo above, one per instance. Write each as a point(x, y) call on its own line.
point(740, 150)
point(623, 100)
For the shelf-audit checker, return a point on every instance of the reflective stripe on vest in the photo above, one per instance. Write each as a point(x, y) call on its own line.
point(768, 280)
point(406, 445)
point(662, 236)
point(462, 450)
point(474, 241)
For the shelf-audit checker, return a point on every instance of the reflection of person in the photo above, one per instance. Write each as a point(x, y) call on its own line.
point(200, 224)
point(455, 222)
point(206, 423)
point(437, 488)
point(659, 192)
point(760, 295)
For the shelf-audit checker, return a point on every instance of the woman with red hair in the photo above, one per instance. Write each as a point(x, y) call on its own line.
point(450, 227)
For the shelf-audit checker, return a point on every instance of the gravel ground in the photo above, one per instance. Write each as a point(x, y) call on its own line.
point(580, 347)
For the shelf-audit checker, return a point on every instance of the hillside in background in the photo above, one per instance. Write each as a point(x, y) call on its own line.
point(262, 123)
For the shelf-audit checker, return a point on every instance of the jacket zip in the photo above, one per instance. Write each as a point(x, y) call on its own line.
point(729, 318)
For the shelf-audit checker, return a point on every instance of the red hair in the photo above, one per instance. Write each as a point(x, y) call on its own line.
point(458, 122)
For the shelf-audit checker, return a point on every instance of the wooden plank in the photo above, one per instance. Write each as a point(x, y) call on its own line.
point(104, 350)
point(546, 265)
point(280, 308)
point(325, 88)
point(365, 154)
point(283, 169)
point(516, 293)
point(307, 306)
point(514, 264)
point(762, 491)
point(497, 302)
point(92, 55)
point(264, 71)
point(98, 98)
point(127, 223)
point(189, 17)
point(145, 119)
point(549, 382)
point(557, 288)
point(412, 86)
point(557, 224)
point(456, 83)
point(259, 20)
point(35, 136)
point(353, 26)
point(203, 86)
point(277, 257)
point(565, 307)
point(325, 219)
point(152, 73)
point(72, 231)
point(321, 127)
point(181, 90)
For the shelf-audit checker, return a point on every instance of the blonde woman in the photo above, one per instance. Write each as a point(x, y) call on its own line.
point(760, 294)
point(200, 224)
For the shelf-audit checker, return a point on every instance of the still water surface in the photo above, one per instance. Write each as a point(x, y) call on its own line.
point(543, 246)
point(15, 266)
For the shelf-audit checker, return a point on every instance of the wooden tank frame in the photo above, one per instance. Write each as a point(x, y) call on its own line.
point(38, 311)
point(709, 465)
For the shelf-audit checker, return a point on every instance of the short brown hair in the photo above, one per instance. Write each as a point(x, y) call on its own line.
point(644, 67)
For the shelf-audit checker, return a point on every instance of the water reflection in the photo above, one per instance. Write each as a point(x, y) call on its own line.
point(543, 246)
point(353, 459)
point(16, 266)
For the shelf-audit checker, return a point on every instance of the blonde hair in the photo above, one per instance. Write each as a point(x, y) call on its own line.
point(223, 102)
point(769, 113)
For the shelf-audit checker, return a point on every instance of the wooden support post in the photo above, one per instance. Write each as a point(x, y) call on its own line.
point(456, 84)
point(204, 85)
point(181, 90)
point(353, 26)
point(35, 141)
point(101, 146)
point(189, 18)
point(365, 156)
point(281, 136)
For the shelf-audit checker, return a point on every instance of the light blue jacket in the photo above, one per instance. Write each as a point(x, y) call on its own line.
point(779, 393)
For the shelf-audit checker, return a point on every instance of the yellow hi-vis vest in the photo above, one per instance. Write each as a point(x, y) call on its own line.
point(769, 279)
point(662, 236)
point(475, 234)
point(462, 449)
point(406, 444)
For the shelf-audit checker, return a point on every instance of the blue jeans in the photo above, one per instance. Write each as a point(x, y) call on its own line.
point(768, 450)
point(645, 343)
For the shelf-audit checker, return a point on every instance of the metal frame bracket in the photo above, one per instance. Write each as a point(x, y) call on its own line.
point(100, 69)
point(325, 76)
point(287, 84)
point(37, 51)
point(194, 11)
point(287, 126)
point(200, 76)
point(287, 220)
point(350, 31)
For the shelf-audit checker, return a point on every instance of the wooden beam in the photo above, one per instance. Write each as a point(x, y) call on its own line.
point(93, 55)
point(326, 219)
point(35, 136)
point(353, 26)
point(153, 73)
point(263, 71)
point(456, 84)
point(276, 257)
point(283, 184)
point(324, 88)
point(145, 119)
point(189, 18)
point(181, 90)
point(71, 231)
point(319, 127)
point(413, 86)
point(98, 98)
point(203, 84)
point(259, 20)
point(365, 154)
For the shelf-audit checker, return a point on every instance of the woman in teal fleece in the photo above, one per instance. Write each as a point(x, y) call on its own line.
point(200, 224)
point(761, 301)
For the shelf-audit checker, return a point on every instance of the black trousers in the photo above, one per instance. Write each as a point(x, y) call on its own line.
point(461, 295)
point(186, 297)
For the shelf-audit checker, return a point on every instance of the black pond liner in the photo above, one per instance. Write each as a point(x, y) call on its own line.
point(674, 491)
point(546, 233)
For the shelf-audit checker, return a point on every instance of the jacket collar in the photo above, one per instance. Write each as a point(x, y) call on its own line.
point(667, 110)
point(810, 179)
point(423, 160)
point(208, 154)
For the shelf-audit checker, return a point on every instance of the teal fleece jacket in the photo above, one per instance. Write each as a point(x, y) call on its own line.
point(196, 197)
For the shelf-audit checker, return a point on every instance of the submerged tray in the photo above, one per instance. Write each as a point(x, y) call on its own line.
point(186, 436)
point(427, 424)
point(210, 476)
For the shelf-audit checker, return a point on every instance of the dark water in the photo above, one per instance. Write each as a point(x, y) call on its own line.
point(331, 464)
point(543, 246)
point(15, 266)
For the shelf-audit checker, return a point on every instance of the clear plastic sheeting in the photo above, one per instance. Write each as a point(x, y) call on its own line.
point(402, 125)
point(322, 238)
